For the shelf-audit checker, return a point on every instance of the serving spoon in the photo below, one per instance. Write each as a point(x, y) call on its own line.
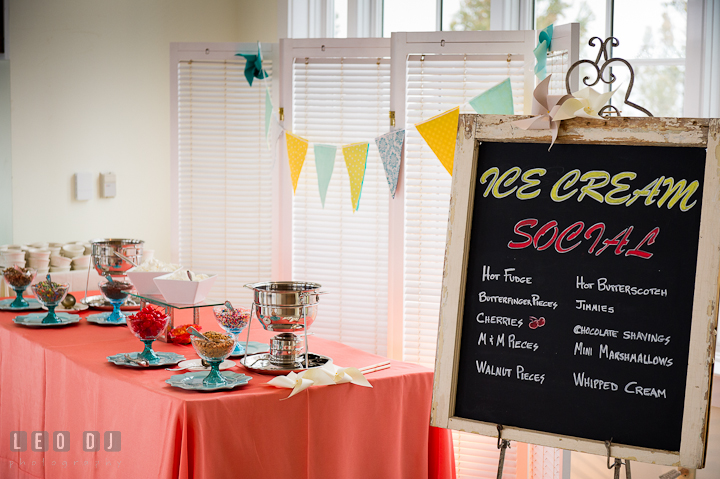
point(197, 334)
point(122, 256)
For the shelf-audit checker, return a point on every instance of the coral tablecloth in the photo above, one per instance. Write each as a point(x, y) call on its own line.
point(58, 379)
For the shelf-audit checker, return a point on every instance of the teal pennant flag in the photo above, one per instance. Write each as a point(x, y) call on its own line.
point(324, 165)
point(544, 46)
point(498, 100)
point(253, 66)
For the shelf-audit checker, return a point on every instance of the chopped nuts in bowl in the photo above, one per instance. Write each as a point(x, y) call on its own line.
point(217, 348)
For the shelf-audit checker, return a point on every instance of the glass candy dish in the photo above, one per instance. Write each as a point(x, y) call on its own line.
point(116, 292)
point(147, 324)
point(50, 294)
point(214, 350)
point(19, 279)
point(233, 321)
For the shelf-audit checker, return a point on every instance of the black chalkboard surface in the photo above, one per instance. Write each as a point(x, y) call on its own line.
point(579, 290)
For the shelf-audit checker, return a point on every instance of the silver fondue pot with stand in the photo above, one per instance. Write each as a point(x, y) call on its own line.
point(107, 258)
point(286, 307)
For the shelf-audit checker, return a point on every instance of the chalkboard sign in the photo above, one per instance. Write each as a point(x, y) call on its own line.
point(580, 289)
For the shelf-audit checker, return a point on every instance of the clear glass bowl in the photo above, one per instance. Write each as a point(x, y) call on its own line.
point(19, 279)
point(50, 294)
point(233, 322)
point(214, 351)
point(147, 324)
point(116, 292)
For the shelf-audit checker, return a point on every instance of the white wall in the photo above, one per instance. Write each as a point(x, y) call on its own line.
point(90, 91)
point(5, 155)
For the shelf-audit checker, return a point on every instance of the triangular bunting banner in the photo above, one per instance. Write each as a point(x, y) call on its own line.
point(498, 100)
point(324, 165)
point(355, 162)
point(297, 149)
point(440, 133)
point(390, 146)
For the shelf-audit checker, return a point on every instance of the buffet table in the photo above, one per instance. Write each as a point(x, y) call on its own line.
point(58, 379)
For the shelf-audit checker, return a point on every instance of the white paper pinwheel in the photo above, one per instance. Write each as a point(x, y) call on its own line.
point(328, 374)
point(550, 110)
point(586, 103)
point(545, 108)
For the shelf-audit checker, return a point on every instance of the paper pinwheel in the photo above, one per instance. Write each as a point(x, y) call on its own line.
point(253, 66)
point(545, 108)
point(586, 103)
point(550, 110)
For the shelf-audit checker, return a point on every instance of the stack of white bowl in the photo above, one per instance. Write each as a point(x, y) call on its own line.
point(39, 259)
point(12, 255)
point(59, 264)
point(63, 262)
point(51, 257)
point(81, 262)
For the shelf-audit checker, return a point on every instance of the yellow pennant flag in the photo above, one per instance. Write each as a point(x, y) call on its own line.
point(297, 149)
point(439, 133)
point(355, 162)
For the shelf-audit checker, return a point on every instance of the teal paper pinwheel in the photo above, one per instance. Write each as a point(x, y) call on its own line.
point(253, 66)
point(544, 45)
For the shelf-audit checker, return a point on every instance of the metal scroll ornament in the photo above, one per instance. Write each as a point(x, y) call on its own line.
point(600, 70)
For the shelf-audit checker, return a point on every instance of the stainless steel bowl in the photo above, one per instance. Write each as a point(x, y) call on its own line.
point(107, 262)
point(285, 305)
point(285, 348)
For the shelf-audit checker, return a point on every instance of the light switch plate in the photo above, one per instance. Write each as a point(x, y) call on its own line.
point(83, 185)
point(108, 185)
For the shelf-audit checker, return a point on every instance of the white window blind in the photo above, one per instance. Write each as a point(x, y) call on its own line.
point(558, 64)
point(545, 463)
point(224, 192)
point(477, 457)
point(434, 85)
point(340, 101)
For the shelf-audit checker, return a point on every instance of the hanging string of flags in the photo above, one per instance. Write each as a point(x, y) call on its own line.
point(439, 132)
point(324, 166)
point(356, 164)
point(390, 146)
point(296, 149)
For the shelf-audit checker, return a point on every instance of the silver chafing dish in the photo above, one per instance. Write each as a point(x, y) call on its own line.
point(286, 307)
point(107, 262)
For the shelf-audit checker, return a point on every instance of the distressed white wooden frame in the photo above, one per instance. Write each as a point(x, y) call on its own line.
point(680, 132)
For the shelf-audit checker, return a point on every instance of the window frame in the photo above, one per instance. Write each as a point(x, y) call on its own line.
point(289, 50)
point(404, 44)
